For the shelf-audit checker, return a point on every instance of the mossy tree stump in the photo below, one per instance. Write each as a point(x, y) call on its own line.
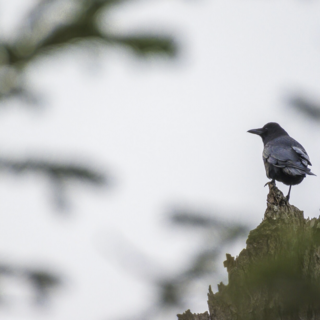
point(277, 276)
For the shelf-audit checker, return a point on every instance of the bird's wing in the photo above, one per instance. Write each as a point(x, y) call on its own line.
point(288, 158)
point(303, 154)
point(294, 171)
point(279, 154)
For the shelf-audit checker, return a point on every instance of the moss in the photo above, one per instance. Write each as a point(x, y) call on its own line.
point(277, 275)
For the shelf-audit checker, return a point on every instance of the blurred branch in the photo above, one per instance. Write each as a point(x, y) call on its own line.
point(306, 106)
point(58, 171)
point(58, 174)
point(146, 44)
point(217, 236)
point(40, 281)
point(55, 25)
point(172, 290)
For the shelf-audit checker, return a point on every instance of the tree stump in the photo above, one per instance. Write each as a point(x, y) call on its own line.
point(277, 275)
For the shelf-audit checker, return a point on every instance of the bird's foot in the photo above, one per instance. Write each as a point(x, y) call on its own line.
point(272, 182)
point(286, 201)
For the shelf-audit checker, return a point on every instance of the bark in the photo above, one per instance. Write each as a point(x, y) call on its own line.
point(277, 275)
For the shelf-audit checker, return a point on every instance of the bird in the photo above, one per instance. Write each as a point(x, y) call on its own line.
point(284, 158)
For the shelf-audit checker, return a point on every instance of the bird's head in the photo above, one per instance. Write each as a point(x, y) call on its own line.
point(269, 132)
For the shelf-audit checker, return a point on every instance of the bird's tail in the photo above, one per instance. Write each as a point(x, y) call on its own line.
point(308, 171)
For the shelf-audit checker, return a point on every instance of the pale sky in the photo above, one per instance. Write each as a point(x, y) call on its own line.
point(169, 132)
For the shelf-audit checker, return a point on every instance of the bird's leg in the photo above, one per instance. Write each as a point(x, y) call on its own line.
point(288, 195)
point(271, 182)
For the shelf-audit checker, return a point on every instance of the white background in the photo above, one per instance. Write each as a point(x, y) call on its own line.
point(169, 132)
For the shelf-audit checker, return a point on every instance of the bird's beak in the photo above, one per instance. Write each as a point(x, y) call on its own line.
point(259, 132)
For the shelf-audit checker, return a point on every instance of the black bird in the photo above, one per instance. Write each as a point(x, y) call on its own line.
point(284, 158)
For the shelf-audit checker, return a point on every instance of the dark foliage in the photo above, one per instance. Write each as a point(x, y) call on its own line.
point(56, 26)
point(41, 35)
point(40, 281)
point(306, 106)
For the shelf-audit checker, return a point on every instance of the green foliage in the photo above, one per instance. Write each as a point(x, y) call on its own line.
point(56, 25)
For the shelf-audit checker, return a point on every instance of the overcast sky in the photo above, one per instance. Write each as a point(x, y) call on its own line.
point(169, 132)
